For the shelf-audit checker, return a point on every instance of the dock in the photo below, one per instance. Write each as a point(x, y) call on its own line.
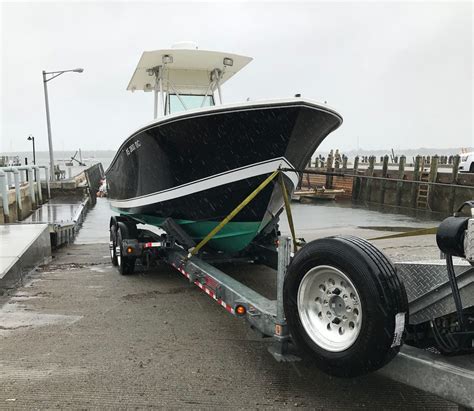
point(57, 210)
point(23, 247)
point(427, 184)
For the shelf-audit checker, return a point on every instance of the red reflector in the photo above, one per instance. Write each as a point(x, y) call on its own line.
point(240, 310)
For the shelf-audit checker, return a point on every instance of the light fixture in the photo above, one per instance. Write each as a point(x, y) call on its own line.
point(167, 59)
point(228, 61)
point(52, 75)
point(240, 310)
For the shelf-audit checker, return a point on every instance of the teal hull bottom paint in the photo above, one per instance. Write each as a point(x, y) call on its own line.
point(233, 237)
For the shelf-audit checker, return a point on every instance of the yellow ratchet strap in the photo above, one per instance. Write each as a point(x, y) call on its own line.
point(232, 214)
point(288, 212)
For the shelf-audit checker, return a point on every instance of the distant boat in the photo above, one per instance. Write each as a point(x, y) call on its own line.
point(199, 159)
point(323, 193)
point(10, 161)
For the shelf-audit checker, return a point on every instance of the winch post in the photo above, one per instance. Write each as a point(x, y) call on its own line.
point(284, 250)
point(286, 200)
point(279, 349)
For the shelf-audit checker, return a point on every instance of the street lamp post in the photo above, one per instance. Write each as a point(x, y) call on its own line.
point(32, 139)
point(53, 75)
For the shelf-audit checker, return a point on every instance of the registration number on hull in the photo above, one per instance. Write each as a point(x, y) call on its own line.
point(132, 147)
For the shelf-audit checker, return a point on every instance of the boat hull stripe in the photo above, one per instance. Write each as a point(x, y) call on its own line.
point(209, 182)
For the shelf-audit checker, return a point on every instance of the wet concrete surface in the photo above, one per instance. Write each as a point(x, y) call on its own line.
point(95, 228)
point(22, 247)
point(55, 211)
point(79, 335)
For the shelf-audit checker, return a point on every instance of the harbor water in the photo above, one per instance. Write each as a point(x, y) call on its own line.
point(308, 218)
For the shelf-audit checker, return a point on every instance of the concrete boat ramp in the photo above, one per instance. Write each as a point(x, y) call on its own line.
point(26, 245)
point(76, 334)
point(79, 335)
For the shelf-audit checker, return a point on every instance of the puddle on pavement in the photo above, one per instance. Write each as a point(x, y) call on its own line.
point(16, 315)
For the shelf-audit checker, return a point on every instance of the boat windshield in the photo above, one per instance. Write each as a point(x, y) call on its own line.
point(187, 102)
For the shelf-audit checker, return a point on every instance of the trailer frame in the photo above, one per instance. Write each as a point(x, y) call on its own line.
point(266, 316)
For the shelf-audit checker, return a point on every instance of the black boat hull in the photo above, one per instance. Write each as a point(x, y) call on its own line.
point(198, 166)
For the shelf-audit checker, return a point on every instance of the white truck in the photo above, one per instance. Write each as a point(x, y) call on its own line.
point(467, 163)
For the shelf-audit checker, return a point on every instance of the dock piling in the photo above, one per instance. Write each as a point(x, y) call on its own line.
point(4, 191)
point(356, 180)
point(454, 180)
point(32, 187)
point(416, 177)
point(401, 176)
point(344, 163)
point(37, 183)
point(329, 170)
point(432, 179)
point(19, 207)
point(384, 175)
point(46, 175)
point(370, 173)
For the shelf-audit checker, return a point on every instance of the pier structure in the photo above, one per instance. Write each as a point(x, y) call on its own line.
point(21, 191)
point(37, 215)
point(429, 183)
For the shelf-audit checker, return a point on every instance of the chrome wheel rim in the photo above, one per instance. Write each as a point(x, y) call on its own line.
point(329, 308)
point(119, 255)
point(112, 249)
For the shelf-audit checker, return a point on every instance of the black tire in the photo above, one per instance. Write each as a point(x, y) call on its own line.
point(113, 244)
point(126, 265)
point(382, 296)
point(471, 169)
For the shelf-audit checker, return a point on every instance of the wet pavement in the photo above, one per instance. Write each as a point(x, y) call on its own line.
point(95, 228)
point(79, 335)
point(15, 254)
point(55, 211)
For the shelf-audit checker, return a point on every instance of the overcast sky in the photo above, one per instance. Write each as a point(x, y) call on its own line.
point(400, 73)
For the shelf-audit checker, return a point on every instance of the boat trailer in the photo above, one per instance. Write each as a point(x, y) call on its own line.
point(437, 329)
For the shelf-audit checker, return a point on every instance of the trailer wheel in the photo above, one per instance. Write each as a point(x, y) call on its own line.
point(113, 244)
point(345, 305)
point(126, 265)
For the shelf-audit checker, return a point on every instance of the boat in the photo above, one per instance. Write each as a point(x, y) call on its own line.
point(199, 158)
point(318, 193)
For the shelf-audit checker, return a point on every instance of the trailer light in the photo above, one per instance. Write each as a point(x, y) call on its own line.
point(129, 250)
point(240, 310)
